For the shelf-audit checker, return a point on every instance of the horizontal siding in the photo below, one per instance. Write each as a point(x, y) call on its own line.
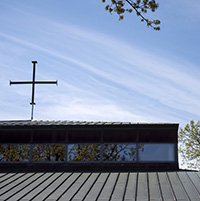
point(114, 186)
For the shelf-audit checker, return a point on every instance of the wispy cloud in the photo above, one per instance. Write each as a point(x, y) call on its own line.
point(100, 73)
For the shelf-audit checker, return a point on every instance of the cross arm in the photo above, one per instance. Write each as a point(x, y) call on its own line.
point(36, 82)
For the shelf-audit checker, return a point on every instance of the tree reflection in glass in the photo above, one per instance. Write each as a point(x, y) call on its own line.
point(45, 152)
point(14, 153)
point(84, 152)
point(119, 152)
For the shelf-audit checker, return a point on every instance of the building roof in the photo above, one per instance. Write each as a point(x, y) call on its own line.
point(71, 123)
point(30, 134)
point(116, 186)
point(90, 184)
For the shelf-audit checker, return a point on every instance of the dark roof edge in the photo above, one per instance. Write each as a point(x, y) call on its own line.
point(70, 122)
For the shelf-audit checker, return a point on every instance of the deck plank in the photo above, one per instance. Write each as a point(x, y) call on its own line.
point(75, 187)
point(189, 187)
point(25, 185)
point(34, 182)
point(166, 189)
point(142, 190)
point(6, 177)
point(52, 184)
point(42, 185)
point(131, 187)
point(15, 186)
point(2, 174)
point(195, 179)
point(154, 189)
point(108, 188)
point(97, 187)
point(48, 191)
point(177, 186)
point(86, 187)
point(67, 181)
point(120, 187)
point(9, 180)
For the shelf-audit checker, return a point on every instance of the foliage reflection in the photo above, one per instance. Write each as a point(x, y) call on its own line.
point(14, 153)
point(84, 152)
point(48, 152)
point(119, 152)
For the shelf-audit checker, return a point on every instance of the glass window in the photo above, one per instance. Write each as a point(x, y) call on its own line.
point(84, 152)
point(119, 152)
point(51, 152)
point(14, 153)
point(156, 152)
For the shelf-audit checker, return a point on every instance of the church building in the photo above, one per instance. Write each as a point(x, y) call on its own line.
point(80, 160)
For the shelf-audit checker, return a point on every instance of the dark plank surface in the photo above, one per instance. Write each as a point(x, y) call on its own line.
point(102, 186)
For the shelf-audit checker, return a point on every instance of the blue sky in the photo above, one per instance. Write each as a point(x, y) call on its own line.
point(107, 70)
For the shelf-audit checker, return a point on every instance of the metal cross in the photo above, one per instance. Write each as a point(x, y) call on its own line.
point(33, 82)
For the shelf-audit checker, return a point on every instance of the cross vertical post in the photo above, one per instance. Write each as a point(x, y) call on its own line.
point(33, 82)
point(33, 89)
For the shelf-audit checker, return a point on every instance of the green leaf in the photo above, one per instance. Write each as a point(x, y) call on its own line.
point(121, 17)
point(156, 22)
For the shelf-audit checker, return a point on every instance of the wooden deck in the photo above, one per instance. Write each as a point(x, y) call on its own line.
point(102, 186)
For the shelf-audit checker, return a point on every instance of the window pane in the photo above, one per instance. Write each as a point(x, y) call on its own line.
point(84, 152)
point(47, 152)
point(14, 153)
point(156, 152)
point(119, 152)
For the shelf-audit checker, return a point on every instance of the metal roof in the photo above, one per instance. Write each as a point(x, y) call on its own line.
point(71, 123)
point(102, 186)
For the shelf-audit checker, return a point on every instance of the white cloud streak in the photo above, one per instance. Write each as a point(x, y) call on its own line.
point(97, 61)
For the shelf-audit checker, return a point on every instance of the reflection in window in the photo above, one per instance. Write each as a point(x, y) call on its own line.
point(51, 152)
point(119, 152)
point(14, 153)
point(84, 152)
point(156, 152)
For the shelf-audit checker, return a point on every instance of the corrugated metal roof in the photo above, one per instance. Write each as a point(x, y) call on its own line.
point(68, 122)
point(102, 186)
